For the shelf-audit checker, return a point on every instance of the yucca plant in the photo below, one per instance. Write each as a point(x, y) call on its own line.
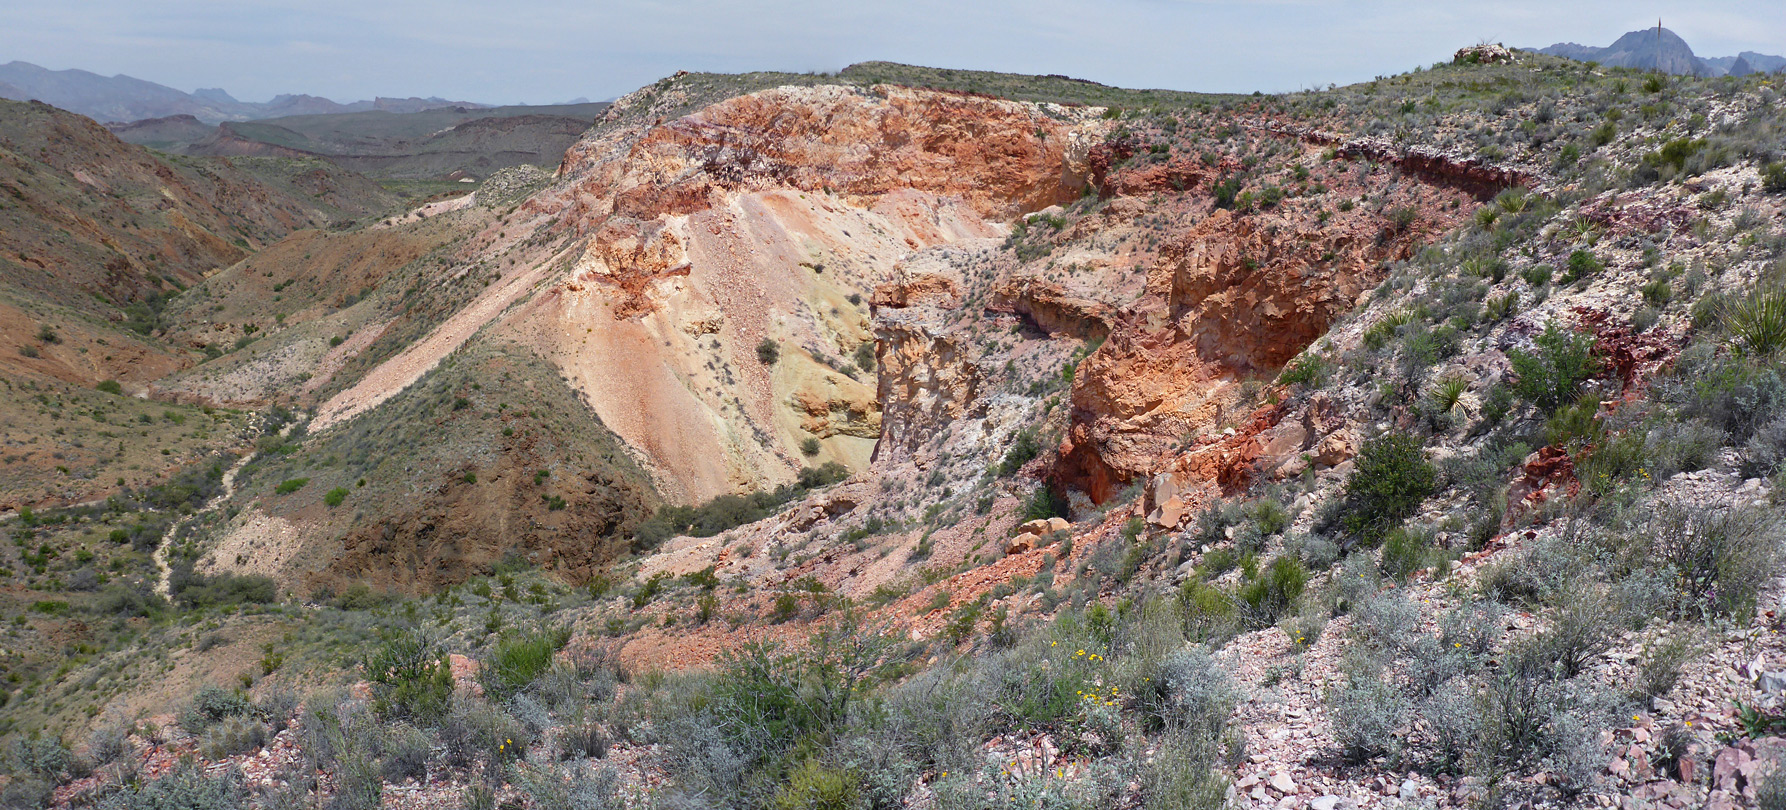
point(1513, 200)
point(1758, 321)
point(1446, 393)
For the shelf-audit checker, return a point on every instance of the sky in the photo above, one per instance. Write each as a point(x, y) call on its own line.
point(545, 51)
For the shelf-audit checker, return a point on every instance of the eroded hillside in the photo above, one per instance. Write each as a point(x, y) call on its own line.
point(811, 441)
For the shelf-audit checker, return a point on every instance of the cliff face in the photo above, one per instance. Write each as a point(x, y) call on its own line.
point(766, 221)
point(1001, 157)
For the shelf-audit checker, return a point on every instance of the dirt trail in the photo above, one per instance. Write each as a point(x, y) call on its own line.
point(409, 365)
point(229, 489)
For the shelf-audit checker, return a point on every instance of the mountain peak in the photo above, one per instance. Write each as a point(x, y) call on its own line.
point(1664, 50)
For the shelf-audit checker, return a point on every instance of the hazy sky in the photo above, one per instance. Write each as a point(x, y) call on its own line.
point(537, 51)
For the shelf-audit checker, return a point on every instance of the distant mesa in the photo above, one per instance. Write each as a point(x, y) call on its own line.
point(1664, 50)
point(123, 98)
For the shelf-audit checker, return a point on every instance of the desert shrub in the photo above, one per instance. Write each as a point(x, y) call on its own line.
point(290, 485)
point(1582, 628)
point(30, 792)
point(1660, 667)
point(1552, 376)
point(1531, 721)
point(809, 446)
point(1719, 557)
point(210, 705)
point(187, 788)
point(1266, 597)
point(1367, 712)
point(1270, 516)
point(198, 590)
point(110, 387)
point(233, 736)
point(1735, 395)
point(1687, 445)
point(572, 787)
point(583, 739)
point(319, 728)
point(110, 740)
point(474, 732)
point(1210, 612)
point(43, 758)
point(729, 511)
point(410, 678)
point(335, 497)
point(405, 754)
point(1189, 693)
point(277, 705)
point(518, 660)
point(1316, 552)
point(1582, 264)
point(358, 783)
point(768, 351)
point(1546, 568)
point(1180, 775)
point(1390, 479)
point(1765, 452)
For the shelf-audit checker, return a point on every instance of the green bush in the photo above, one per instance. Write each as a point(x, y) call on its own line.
point(1551, 377)
point(787, 606)
point(1270, 516)
point(233, 736)
point(335, 497)
point(809, 446)
point(1582, 264)
point(1773, 179)
point(290, 485)
point(816, 786)
point(1309, 369)
point(1404, 552)
point(1389, 481)
point(1274, 591)
point(728, 511)
point(112, 387)
point(517, 661)
point(211, 704)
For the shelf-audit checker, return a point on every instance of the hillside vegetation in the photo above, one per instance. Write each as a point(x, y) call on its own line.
point(1415, 443)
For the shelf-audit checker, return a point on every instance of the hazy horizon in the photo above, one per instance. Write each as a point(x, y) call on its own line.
point(549, 51)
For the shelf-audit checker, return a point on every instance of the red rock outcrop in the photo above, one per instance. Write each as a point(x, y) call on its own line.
point(1053, 309)
point(1236, 295)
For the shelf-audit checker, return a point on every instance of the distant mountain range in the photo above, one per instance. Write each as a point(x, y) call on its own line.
point(123, 98)
point(1662, 49)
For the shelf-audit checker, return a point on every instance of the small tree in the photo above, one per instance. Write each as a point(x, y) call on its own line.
point(1390, 480)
